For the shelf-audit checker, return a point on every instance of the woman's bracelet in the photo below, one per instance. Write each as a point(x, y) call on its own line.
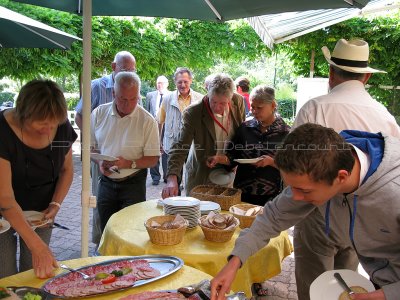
point(55, 203)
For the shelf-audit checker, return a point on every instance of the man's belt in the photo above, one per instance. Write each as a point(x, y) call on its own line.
point(122, 179)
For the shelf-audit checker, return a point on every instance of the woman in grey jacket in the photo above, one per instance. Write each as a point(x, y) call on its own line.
point(354, 182)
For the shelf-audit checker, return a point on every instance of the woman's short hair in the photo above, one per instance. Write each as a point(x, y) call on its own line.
point(244, 83)
point(221, 84)
point(316, 151)
point(40, 100)
point(263, 93)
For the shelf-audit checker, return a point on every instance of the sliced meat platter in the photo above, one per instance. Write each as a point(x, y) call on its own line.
point(103, 278)
point(154, 296)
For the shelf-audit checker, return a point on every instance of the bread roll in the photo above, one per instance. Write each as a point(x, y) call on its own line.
point(355, 289)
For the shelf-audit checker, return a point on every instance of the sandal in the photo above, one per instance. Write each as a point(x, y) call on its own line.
point(258, 290)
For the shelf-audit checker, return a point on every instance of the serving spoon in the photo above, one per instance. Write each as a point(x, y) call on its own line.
point(343, 283)
point(85, 276)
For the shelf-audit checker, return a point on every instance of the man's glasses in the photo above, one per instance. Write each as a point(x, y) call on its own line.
point(29, 175)
point(122, 69)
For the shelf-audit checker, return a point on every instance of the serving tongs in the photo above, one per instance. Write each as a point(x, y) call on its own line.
point(85, 276)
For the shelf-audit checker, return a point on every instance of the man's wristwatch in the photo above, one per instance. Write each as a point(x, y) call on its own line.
point(133, 165)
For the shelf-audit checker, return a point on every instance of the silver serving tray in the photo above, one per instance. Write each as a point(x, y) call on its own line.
point(21, 291)
point(163, 263)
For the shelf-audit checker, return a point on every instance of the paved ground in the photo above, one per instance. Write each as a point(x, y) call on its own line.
point(66, 244)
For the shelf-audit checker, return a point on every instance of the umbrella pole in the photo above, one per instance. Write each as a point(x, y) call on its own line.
point(87, 46)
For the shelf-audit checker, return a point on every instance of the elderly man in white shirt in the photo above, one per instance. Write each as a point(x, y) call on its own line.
point(124, 130)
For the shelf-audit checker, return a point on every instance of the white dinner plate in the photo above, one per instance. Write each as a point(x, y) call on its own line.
point(181, 201)
point(326, 287)
point(4, 226)
point(248, 160)
point(35, 218)
point(209, 205)
point(98, 156)
point(221, 177)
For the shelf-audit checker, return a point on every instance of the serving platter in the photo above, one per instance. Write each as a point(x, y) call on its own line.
point(21, 291)
point(165, 266)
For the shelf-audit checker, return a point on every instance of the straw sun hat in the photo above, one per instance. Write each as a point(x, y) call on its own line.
point(351, 56)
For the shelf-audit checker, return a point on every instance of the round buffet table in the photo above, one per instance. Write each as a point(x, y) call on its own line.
point(185, 276)
point(125, 234)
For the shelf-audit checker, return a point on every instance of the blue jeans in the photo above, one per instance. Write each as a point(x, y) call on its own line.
point(114, 196)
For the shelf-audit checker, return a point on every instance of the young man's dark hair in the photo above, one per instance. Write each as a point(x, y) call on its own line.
point(316, 151)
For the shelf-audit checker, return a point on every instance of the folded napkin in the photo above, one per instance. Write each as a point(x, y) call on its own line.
point(249, 212)
point(176, 223)
point(219, 221)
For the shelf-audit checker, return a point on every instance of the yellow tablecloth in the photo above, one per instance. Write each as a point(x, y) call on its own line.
point(125, 234)
point(185, 276)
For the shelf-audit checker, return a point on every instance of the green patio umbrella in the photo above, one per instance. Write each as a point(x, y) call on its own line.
point(206, 10)
point(19, 31)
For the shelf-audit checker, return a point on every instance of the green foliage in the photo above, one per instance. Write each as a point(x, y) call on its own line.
point(159, 45)
point(72, 103)
point(146, 87)
point(285, 91)
point(287, 108)
point(6, 96)
point(383, 37)
point(3, 86)
point(26, 64)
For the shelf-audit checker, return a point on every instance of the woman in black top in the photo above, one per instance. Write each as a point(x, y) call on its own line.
point(37, 170)
point(257, 138)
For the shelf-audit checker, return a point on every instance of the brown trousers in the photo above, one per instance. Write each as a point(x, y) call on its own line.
point(316, 253)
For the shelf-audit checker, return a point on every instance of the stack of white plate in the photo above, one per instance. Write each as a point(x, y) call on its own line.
point(208, 206)
point(187, 207)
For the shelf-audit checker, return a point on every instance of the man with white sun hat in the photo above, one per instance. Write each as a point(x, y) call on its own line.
point(347, 106)
point(351, 56)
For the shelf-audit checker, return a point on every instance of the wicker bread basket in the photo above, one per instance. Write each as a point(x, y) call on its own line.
point(217, 235)
point(165, 236)
point(245, 221)
point(224, 196)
